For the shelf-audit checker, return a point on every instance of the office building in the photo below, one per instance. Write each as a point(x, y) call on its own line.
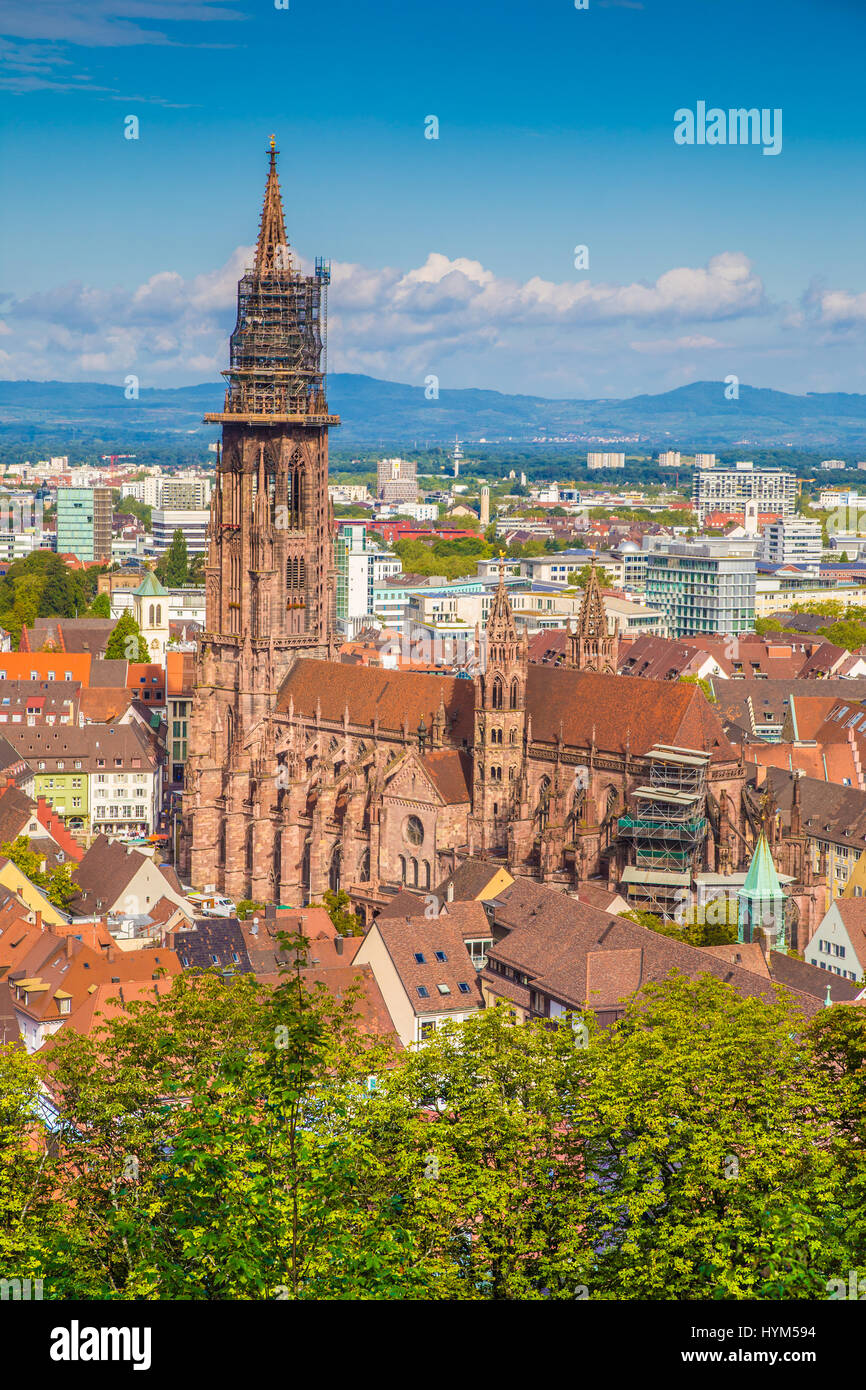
point(729, 489)
point(794, 541)
point(705, 586)
point(192, 521)
point(84, 516)
point(361, 566)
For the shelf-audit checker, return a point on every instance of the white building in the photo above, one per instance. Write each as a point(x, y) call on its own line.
point(705, 460)
point(729, 489)
point(191, 521)
point(603, 460)
point(669, 459)
point(793, 541)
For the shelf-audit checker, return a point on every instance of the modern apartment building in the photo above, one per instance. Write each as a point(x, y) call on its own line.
point(84, 516)
point(605, 460)
point(705, 460)
point(703, 586)
point(729, 489)
point(361, 567)
point(670, 458)
point(172, 493)
point(793, 541)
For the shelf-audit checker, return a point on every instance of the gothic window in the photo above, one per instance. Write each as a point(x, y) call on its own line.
point(150, 621)
point(334, 871)
point(511, 774)
point(496, 774)
point(496, 698)
point(364, 867)
point(414, 831)
point(496, 808)
point(544, 802)
point(612, 799)
point(249, 850)
point(515, 694)
point(426, 867)
point(403, 868)
point(512, 737)
point(159, 615)
point(222, 843)
point(414, 873)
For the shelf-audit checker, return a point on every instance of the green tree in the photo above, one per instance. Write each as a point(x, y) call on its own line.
point(581, 577)
point(126, 642)
point(100, 607)
point(347, 922)
point(176, 562)
point(58, 883)
point(848, 632)
point(248, 907)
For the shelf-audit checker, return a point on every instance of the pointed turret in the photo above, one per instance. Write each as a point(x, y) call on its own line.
point(591, 646)
point(272, 250)
point(762, 900)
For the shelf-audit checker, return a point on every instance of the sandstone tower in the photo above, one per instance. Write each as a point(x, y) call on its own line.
point(269, 575)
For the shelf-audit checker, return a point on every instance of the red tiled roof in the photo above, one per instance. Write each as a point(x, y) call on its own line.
point(370, 692)
point(610, 710)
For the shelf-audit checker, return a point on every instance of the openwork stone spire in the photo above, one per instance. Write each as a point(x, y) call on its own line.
point(591, 647)
point(272, 250)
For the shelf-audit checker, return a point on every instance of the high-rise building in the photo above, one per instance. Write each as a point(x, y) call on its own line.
point(84, 516)
point(705, 586)
point(269, 577)
point(728, 489)
point(794, 541)
point(361, 565)
point(595, 460)
point(396, 480)
point(669, 459)
point(705, 460)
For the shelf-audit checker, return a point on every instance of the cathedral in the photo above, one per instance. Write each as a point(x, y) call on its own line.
point(305, 773)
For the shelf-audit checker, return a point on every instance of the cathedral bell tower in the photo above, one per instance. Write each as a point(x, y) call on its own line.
point(269, 575)
point(500, 717)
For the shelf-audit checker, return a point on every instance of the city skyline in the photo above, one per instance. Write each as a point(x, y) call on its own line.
point(452, 256)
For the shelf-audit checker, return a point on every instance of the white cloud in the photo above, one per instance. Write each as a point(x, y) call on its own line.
point(451, 316)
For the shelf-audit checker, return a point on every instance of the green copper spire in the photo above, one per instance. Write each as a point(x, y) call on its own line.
point(762, 900)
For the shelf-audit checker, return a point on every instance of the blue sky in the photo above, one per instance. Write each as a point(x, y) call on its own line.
point(452, 256)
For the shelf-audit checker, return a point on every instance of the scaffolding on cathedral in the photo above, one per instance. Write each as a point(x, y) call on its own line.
point(668, 829)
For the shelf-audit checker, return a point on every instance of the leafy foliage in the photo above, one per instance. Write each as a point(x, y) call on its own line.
point(126, 642)
point(233, 1142)
point(57, 884)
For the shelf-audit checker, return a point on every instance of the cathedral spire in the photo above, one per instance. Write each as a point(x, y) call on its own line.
point(591, 647)
point(272, 251)
point(592, 621)
point(500, 620)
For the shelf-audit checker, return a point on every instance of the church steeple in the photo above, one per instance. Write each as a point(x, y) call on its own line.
point(762, 900)
point(500, 716)
point(272, 249)
point(591, 646)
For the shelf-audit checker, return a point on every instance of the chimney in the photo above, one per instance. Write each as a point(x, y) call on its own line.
point(254, 927)
point(39, 920)
point(68, 945)
point(338, 945)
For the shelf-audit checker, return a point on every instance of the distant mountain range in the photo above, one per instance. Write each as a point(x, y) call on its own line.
point(388, 412)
